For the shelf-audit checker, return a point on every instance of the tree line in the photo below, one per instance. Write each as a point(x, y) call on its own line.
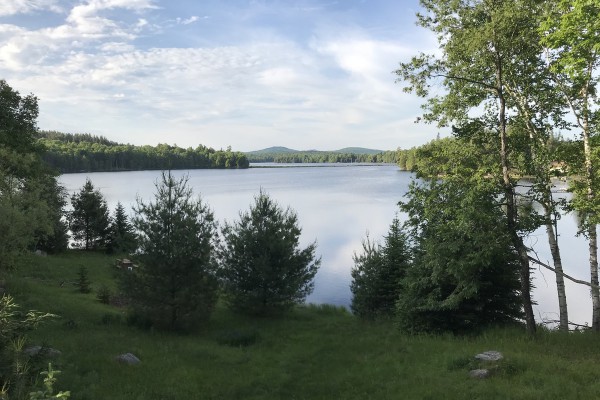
point(88, 153)
point(389, 157)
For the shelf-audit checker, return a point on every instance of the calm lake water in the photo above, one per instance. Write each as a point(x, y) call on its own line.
point(337, 206)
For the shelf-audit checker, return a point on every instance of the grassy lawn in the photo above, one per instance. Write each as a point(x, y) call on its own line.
point(315, 352)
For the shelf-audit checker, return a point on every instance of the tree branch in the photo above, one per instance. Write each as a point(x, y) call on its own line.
point(460, 78)
point(538, 262)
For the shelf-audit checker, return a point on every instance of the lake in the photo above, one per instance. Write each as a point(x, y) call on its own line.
point(338, 205)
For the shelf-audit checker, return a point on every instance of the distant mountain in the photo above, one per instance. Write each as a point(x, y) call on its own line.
point(357, 150)
point(285, 150)
point(273, 150)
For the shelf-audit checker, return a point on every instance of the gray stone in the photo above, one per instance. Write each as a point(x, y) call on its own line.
point(491, 355)
point(128, 359)
point(479, 373)
point(33, 351)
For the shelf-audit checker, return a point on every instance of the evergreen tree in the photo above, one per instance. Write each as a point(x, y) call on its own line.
point(263, 269)
point(89, 220)
point(465, 273)
point(377, 274)
point(175, 285)
point(83, 282)
point(122, 237)
point(57, 240)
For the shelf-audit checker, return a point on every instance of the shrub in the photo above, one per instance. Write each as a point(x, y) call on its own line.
point(104, 294)
point(16, 371)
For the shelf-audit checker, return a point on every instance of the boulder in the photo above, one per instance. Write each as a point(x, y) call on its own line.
point(33, 351)
point(128, 358)
point(479, 373)
point(491, 355)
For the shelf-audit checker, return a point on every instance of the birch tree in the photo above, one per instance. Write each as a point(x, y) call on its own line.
point(572, 34)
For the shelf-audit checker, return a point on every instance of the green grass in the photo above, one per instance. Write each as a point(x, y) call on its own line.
point(315, 352)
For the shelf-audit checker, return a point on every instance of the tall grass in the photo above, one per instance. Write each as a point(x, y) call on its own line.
point(315, 352)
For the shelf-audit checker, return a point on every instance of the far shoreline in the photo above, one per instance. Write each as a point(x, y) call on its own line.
point(316, 165)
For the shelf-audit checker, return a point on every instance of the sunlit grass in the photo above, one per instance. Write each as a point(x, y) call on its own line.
point(315, 352)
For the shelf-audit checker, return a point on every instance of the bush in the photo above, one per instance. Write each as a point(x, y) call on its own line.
point(16, 372)
point(104, 294)
point(263, 270)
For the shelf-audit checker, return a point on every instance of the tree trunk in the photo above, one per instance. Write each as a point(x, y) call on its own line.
point(593, 246)
point(555, 251)
point(511, 211)
point(590, 226)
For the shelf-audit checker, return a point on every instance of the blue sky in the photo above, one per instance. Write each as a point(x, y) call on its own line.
point(247, 73)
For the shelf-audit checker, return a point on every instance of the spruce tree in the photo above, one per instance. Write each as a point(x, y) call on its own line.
point(89, 220)
point(122, 236)
point(377, 274)
point(465, 273)
point(83, 282)
point(263, 270)
point(174, 286)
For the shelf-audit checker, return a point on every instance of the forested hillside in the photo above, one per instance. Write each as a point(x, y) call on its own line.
point(347, 155)
point(84, 152)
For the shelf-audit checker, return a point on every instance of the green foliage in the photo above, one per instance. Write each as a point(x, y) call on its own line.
point(104, 294)
point(85, 152)
point(570, 32)
point(465, 274)
point(16, 371)
point(30, 199)
point(377, 274)
point(122, 235)
point(18, 125)
point(48, 392)
point(55, 240)
point(16, 229)
point(263, 270)
point(314, 156)
point(89, 220)
point(83, 281)
point(175, 286)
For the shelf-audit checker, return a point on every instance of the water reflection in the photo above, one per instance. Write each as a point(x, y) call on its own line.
point(337, 207)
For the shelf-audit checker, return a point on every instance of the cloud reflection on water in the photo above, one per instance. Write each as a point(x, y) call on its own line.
point(337, 207)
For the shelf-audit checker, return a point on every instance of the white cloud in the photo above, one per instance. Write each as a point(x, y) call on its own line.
point(27, 50)
point(12, 7)
point(329, 92)
point(188, 21)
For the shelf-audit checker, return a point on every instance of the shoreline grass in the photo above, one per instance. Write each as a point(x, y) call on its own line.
point(315, 352)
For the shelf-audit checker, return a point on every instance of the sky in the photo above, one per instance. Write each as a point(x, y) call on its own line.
point(250, 74)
